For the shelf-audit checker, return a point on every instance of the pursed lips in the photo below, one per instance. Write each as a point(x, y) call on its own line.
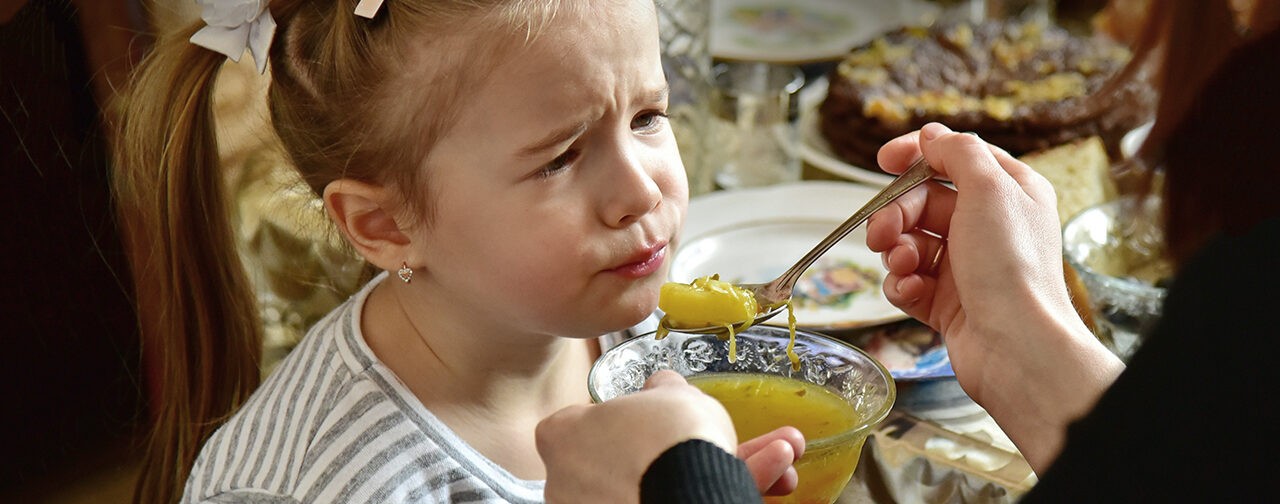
point(642, 263)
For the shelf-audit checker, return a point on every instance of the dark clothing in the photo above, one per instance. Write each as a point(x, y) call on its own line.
point(698, 471)
point(1188, 421)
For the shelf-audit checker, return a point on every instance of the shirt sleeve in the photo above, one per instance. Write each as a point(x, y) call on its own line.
point(697, 471)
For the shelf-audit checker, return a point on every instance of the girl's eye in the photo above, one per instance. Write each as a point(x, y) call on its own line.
point(649, 121)
point(558, 164)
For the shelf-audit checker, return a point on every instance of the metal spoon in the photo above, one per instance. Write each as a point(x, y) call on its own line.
point(772, 297)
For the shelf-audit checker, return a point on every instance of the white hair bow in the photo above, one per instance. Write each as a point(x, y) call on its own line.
point(234, 25)
point(368, 8)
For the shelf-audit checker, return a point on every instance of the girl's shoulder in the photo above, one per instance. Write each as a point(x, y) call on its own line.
point(331, 424)
point(318, 395)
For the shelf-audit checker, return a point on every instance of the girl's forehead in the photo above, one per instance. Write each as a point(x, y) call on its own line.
point(581, 53)
point(584, 65)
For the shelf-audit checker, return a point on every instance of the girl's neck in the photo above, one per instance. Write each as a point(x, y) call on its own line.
point(478, 359)
point(489, 384)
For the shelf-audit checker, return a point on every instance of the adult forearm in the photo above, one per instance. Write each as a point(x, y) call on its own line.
point(1036, 395)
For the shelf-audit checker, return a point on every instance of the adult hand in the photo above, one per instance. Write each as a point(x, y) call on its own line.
point(598, 453)
point(996, 291)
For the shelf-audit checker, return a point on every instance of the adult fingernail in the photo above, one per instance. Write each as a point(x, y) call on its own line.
point(933, 130)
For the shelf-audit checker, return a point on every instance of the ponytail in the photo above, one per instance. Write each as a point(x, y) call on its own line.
point(339, 106)
point(201, 334)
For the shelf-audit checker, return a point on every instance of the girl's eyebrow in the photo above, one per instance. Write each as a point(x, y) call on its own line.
point(556, 137)
point(562, 135)
point(659, 95)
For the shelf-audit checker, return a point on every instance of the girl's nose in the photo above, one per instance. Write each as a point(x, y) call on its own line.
point(632, 191)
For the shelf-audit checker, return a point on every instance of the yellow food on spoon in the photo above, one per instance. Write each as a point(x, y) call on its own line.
point(708, 301)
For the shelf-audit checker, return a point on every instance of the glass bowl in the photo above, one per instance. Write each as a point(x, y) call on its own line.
point(861, 385)
point(1117, 248)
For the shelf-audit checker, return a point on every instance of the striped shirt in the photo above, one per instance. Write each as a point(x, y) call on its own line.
point(333, 424)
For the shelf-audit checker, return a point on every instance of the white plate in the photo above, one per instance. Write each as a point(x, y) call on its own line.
point(753, 235)
point(798, 31)
point(814, 148)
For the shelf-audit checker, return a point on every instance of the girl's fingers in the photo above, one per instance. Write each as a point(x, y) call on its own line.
point(664, 378)
point(786, 483)
point(770, 457)
point(790, 435)
point(769, 467)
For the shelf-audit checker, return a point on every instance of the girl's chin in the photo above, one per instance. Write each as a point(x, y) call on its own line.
point(594, 316)
point(626, 316)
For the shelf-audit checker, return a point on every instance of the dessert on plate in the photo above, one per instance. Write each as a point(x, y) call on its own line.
point(1022, 85)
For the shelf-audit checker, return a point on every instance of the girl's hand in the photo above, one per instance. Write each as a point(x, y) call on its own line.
point(982, 264)
point(599, 452)
point(770, 458)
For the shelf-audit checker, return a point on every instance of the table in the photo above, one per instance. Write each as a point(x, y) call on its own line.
point(951, 454)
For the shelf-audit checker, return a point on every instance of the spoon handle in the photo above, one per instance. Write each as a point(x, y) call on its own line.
point(916, 174)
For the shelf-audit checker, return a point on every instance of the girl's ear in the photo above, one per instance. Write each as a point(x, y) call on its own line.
point(366, 215)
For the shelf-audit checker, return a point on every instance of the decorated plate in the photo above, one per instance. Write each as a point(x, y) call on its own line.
point(909, 349)
point(753, 235)
point(799, 31)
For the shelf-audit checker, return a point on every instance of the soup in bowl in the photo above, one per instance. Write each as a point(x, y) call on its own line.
point(835, 397)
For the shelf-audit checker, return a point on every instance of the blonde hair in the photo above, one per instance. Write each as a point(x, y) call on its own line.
point(344, 103)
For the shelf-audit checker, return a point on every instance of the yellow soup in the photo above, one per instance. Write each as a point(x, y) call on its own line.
point(760, 403)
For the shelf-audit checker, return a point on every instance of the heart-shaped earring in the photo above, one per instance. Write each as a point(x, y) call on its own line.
point(405, 272)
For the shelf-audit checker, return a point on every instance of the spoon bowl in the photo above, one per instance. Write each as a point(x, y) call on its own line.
point(772, 297)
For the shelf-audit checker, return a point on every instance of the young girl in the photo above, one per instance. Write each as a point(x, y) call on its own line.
point(509, 166)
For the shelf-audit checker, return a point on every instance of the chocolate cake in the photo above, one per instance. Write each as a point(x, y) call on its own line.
point(1024, 86)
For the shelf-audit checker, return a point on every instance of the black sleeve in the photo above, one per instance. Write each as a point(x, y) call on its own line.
point(1192, 419)
point(697, 471)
